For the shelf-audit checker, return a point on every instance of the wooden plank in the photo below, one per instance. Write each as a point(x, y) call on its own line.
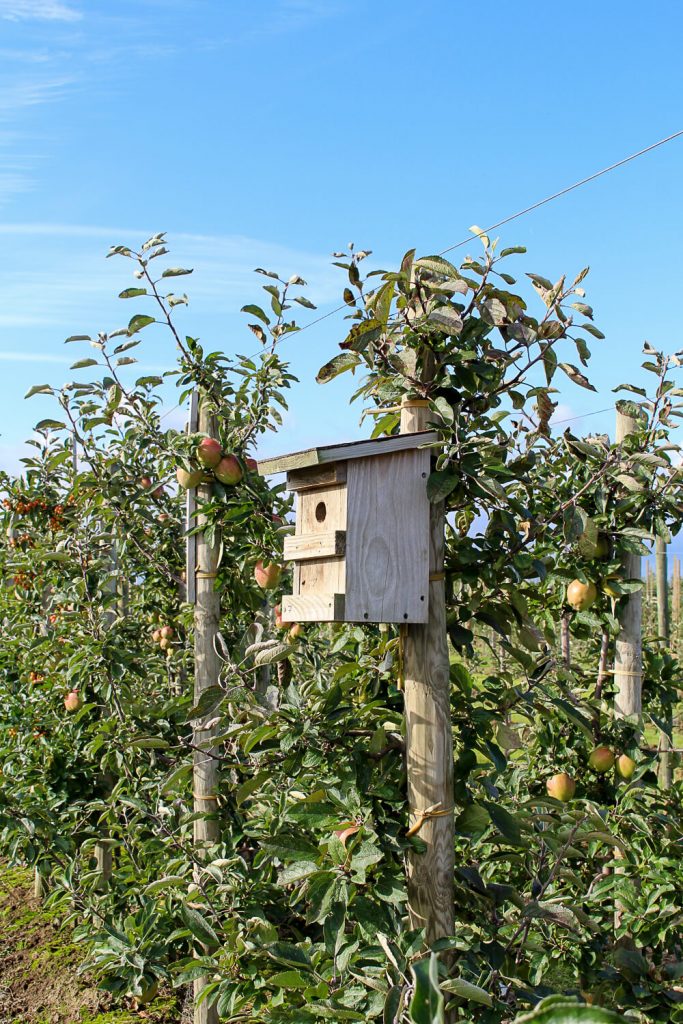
point(190, 508)
point(387, 539)
point(313, 608)
point(317, 476)
point(320, 575)
point(429, 739)
point(349, 450)
point(331, 544)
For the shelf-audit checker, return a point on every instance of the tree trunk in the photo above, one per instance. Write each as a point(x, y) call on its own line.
point(565, 638)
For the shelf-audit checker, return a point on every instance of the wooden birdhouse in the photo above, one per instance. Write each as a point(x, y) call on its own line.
point(361, 543)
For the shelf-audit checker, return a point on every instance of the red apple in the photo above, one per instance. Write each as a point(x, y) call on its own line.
point(166, 632)
point(296, 630)
point(228, 470)
point(252, 465)
point(189, 478)
point(267, 576)
point(209, 452)
point(561, 787)
point(156, 636)
point(145, 483)
point(601, 760)
point(72, 701)
point(158, 492)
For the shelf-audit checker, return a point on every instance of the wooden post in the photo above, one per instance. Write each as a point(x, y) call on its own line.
point(649, 589)
point(676, 603)
point(665, 772)
point(104, 863)
point(207, 669)
point(628, 667)
point(429, 736)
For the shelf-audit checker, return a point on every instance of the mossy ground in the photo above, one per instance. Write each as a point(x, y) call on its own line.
point(39, 964)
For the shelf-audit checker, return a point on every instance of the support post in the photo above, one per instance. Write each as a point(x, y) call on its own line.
point(207, 613)
point(565, 638)
point(665, 772)
point(676, 604)
point(628, 659)
point(429, 736)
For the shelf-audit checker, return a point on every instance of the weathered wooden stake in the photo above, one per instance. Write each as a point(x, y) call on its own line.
point(676, 603)
point(429, 737)
point(207, 670)
point(665, 772)
point(628, 667)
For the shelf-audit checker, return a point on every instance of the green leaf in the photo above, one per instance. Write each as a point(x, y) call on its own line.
point(441, 483)
point(257, 312)
point(77, 337)
point(506, 823)
point(50, 425)
point(83, 363)
point(447, 319)
point(39, 389)
point(338, 364)
point(560, 1010)
point(208, 702)
point(427, 1005)
point(138, 322)
point(175, 272)
point(132, 293)
point(288, 953)
point(289, 979)
point(466, 990)
point(199, 926)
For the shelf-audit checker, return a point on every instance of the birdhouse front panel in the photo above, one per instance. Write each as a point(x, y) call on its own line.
point(360, 547)
point(387, 538)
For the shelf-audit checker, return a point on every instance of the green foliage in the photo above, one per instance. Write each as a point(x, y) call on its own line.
point(298, 913)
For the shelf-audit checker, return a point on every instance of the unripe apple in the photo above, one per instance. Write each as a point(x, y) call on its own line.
point(296, 630)
point(72, 701)
point(189, 478)
point(209, 452)
point(166, 632)
point(625, 766)
point(164, 643)
point(580, 596)
point(156, 636)
point(267, 576)
point(561, 787)
point(601, 760)
point(228, 470)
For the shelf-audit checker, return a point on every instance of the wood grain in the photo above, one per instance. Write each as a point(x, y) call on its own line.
point(628, 658)
point(205, 779)
point(330, 544)
point(320, 575)
point(313, 608)
point(387, 538)
point(349, 450)
point(317, 476)
point(429, 741)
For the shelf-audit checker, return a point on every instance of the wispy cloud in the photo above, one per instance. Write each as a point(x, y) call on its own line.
point(38, 10)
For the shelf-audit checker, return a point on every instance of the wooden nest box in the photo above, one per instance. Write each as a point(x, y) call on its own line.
point(361, 542)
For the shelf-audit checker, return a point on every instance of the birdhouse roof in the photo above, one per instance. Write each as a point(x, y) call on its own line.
point(348, 450)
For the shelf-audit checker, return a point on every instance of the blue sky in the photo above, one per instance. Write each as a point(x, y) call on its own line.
point(272, 132)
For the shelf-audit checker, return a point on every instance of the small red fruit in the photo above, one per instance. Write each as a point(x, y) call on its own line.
point(252, 465)
point(228, 470)
point(145, 483)
point(158, 492)
point(166, 632)
point(156, 636)
point(561, 787)
point(209, 452)
point(296, 630)
point(267, 576)
point(72, 701)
